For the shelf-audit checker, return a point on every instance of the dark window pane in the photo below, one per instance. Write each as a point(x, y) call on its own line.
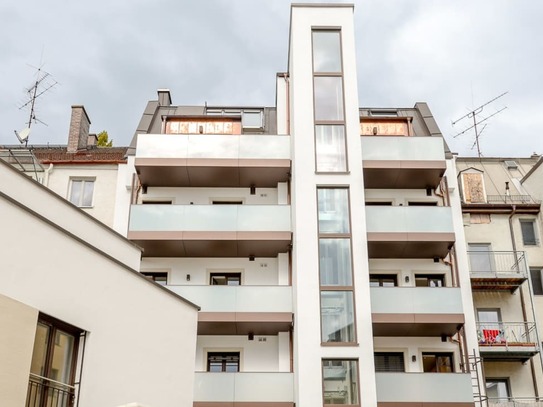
point(528, 232)
point(389, 362)
point(437, 362)
point(537, 281)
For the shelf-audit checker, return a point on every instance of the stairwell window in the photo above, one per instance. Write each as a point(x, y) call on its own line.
point(529, 234)
point(81, 192)
point(340, 382)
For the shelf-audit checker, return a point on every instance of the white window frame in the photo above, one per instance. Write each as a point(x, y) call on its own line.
point(83, 180)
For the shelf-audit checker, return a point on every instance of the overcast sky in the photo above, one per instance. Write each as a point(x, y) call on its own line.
point(112, 56)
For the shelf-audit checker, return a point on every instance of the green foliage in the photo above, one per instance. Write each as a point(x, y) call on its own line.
point(103, 140)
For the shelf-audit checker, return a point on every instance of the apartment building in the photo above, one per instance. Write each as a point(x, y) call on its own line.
point(80, 171)
point(323, 241)
point(501, 206)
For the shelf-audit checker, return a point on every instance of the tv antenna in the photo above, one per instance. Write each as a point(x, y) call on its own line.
point(43, 83)
point(474, 114)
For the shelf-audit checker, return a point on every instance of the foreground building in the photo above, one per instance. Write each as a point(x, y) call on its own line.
point(323, 242)
point(501, 205)
point(80, 325)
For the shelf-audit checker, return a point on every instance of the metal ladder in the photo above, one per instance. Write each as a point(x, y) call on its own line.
point(475, 366)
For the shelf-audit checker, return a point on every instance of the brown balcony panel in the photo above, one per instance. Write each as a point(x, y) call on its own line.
point(423, 404)
point(416, 324)
point(403, 174)
point(497, 283)
point(243, 323)
point(211, 244)
point(187, 172)
point(409, 245)
point(242, 404)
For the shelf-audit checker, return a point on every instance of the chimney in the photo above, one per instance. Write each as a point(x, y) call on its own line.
point(78, 136)
point(92, 140)
point(164, 97)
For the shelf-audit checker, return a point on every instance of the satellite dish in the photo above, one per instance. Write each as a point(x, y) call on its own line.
point(23, 135)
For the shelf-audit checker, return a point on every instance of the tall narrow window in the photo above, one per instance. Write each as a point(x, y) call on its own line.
point(52, 369)
point(330, 140)
point(536, 275)
point(335, 268)
point(340, 382)
point(529, 237)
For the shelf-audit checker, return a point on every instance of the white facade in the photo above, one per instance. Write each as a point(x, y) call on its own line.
point(137, 339)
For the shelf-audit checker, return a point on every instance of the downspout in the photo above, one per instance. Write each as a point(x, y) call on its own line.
point(287, 92)
point(522, 304)
point(47, 172)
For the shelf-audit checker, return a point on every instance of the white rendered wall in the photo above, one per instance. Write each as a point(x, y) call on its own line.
point(105, 184)
point(281, 95)
point(462, 259)
point(262, 271)
point(415, 346)
point(206, 196)
point(308, 351)
point(141, 339)
point(262, 354)
point(519, 375)
point(122, 196)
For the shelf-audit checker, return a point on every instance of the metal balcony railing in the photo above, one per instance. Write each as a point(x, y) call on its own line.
point(44, 392)
point(515, 402)
point(506, 334)
point(511, 199)
point(497, 263)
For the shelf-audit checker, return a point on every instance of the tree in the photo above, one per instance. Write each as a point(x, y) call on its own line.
point(103, 140)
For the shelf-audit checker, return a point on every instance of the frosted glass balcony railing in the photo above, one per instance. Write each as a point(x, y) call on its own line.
point(213, 146)
point(244, 387)
point(213, 218)
point(213, 298)
point(416, 300)
point(402, 148)
point(424, 387)
point(409, 219)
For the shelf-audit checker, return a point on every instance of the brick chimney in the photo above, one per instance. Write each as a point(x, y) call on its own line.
point(79, 129)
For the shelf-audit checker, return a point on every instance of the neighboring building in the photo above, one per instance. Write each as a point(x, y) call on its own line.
point(501, 205)
point(79, 325)
point(81, 172)
point(323, 242)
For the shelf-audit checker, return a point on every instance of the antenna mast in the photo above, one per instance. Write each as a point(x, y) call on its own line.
point(44, 82)
point(474, 115)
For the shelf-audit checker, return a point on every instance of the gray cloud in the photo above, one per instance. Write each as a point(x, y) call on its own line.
point(112, 56)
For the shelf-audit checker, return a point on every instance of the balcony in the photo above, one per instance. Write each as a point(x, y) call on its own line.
point(50, 393)
point(505, 341)
point(402, 162)
point(409, 231)
point(424, 389)
point(240, 310)
point(515, 402)
point(490, 271)
point(210, 230)
point(274, 389)
point(416, 311)
point(205, 160)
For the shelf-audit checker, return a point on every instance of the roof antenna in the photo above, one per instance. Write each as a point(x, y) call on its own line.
point(474, 115)
point(43, 83)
